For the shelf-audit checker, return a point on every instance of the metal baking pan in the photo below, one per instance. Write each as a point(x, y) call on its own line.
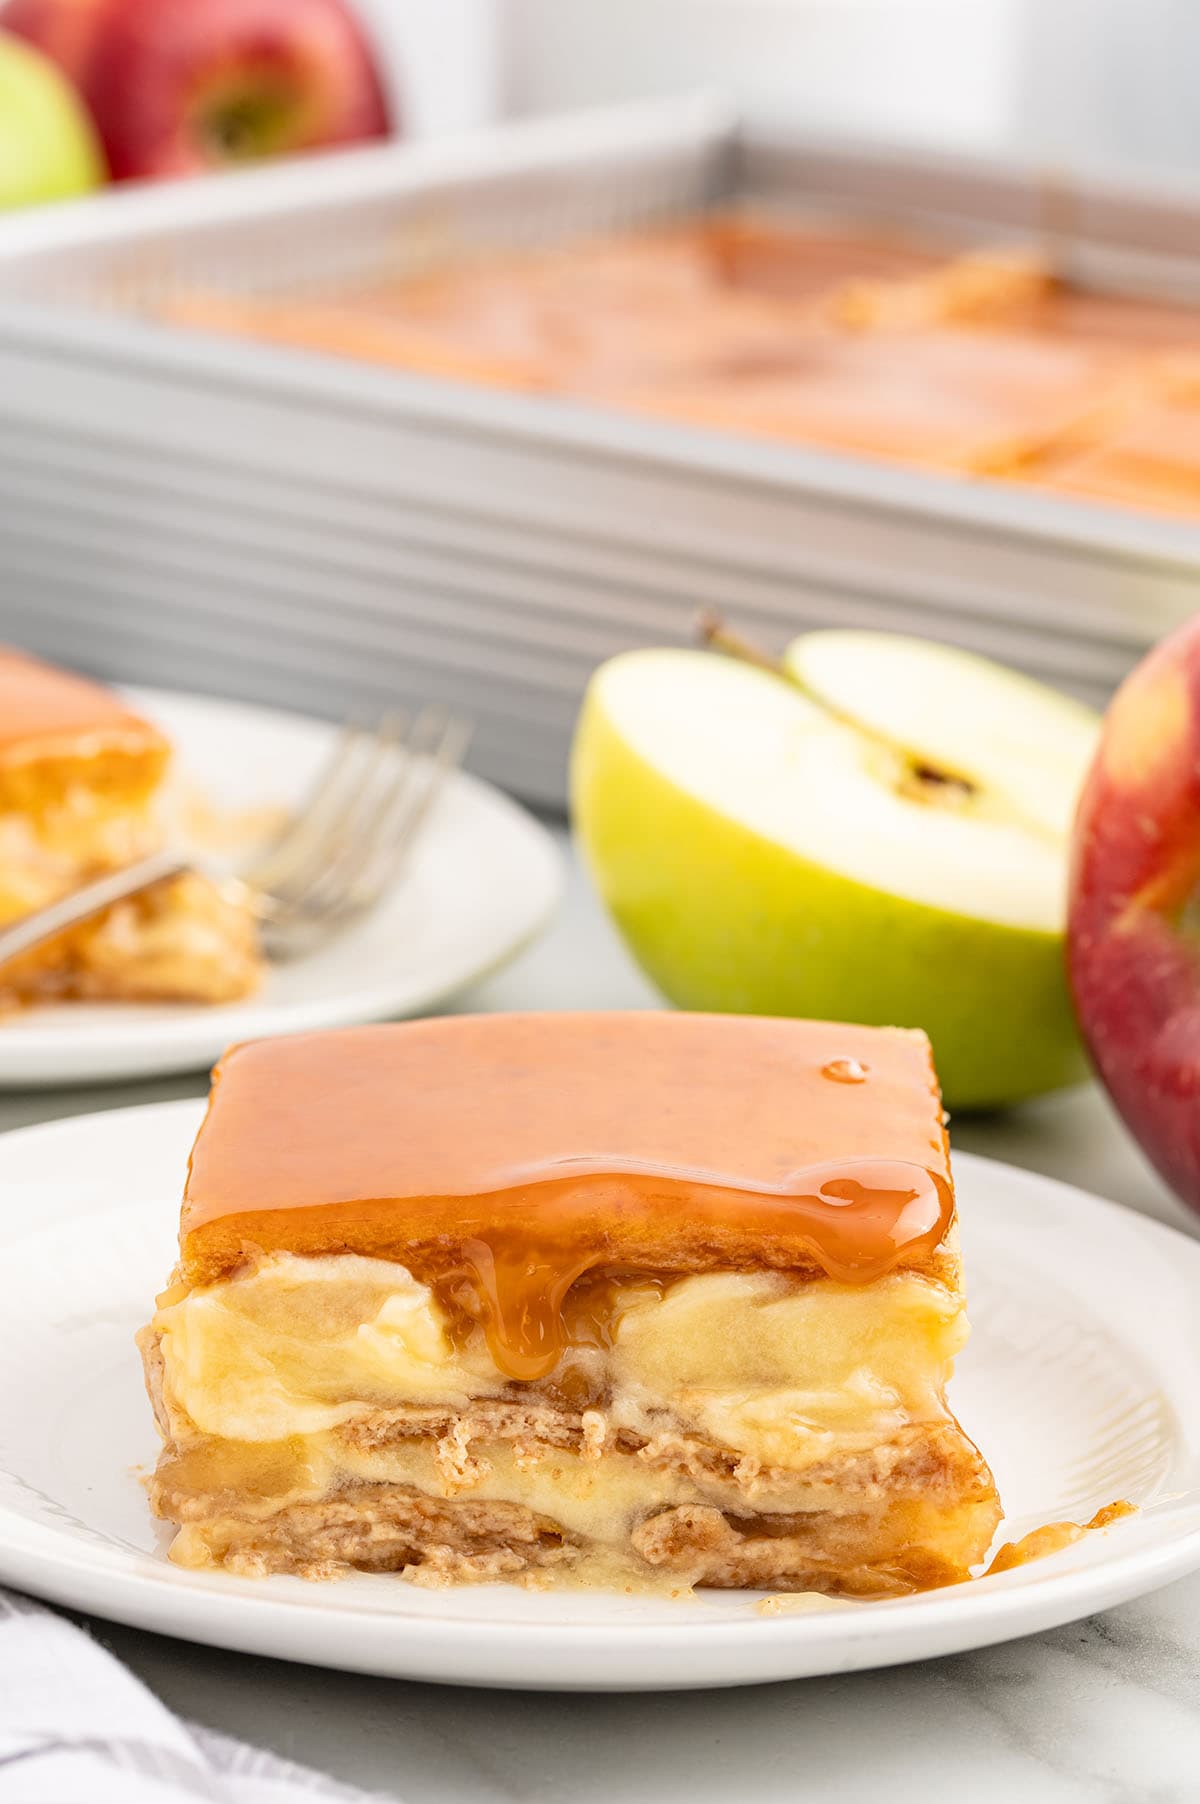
point(292, 528)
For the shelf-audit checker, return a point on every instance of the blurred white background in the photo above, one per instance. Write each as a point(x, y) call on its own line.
point(1066, 82)
point(937, 69)
point(445, 60)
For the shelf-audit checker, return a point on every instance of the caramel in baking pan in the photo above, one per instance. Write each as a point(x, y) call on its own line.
point(523, 1152)
point(1150, 459)
point(588, 319)
point(829, 333)
point(787, 262)
point(1058, 310)
point(965, 400)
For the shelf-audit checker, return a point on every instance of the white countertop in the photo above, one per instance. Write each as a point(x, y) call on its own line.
point(1102, 1711)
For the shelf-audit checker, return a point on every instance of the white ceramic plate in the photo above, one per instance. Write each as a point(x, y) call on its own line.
point(1079, 1383)
point(484, 879)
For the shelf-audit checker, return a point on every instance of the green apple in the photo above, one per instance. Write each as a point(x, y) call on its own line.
point(48, 148)
point(882, 838)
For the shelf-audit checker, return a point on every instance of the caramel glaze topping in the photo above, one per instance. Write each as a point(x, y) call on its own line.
point(44, 710)
point(521, 1154)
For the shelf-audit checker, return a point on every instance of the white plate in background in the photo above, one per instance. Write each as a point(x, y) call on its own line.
point(1079, 1384)
point(484, 879)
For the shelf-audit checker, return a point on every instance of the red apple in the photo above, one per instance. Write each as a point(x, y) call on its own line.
point(177, 86)
point(1132, 941)
point(61, 29)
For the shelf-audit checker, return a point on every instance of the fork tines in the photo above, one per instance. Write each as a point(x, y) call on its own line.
point(350, 839)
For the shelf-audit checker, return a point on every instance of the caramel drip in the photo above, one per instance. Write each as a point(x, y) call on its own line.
point(856, 1218)
point(1053, 1537)
point(523, 1290)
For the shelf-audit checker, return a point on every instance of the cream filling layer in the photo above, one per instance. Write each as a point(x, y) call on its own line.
point(42, 857)
point(786, 1373)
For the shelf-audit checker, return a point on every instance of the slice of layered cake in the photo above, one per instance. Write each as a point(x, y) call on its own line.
point(80, 777)
point(625, 1298)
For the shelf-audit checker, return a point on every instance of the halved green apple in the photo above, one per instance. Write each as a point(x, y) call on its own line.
point(882, 839)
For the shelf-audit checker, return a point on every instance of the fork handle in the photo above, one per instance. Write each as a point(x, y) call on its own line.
point(92, 899)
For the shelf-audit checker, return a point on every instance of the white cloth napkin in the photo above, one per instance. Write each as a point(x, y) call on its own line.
point(77, 1728)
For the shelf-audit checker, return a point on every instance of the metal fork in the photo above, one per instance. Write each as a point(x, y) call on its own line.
point(344, 846)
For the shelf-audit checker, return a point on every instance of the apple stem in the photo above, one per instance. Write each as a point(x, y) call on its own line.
point(923, 781)
point(714, 635)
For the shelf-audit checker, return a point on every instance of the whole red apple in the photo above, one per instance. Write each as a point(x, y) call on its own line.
point(177, 86)
point(1134, 910)
point(61, 29)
